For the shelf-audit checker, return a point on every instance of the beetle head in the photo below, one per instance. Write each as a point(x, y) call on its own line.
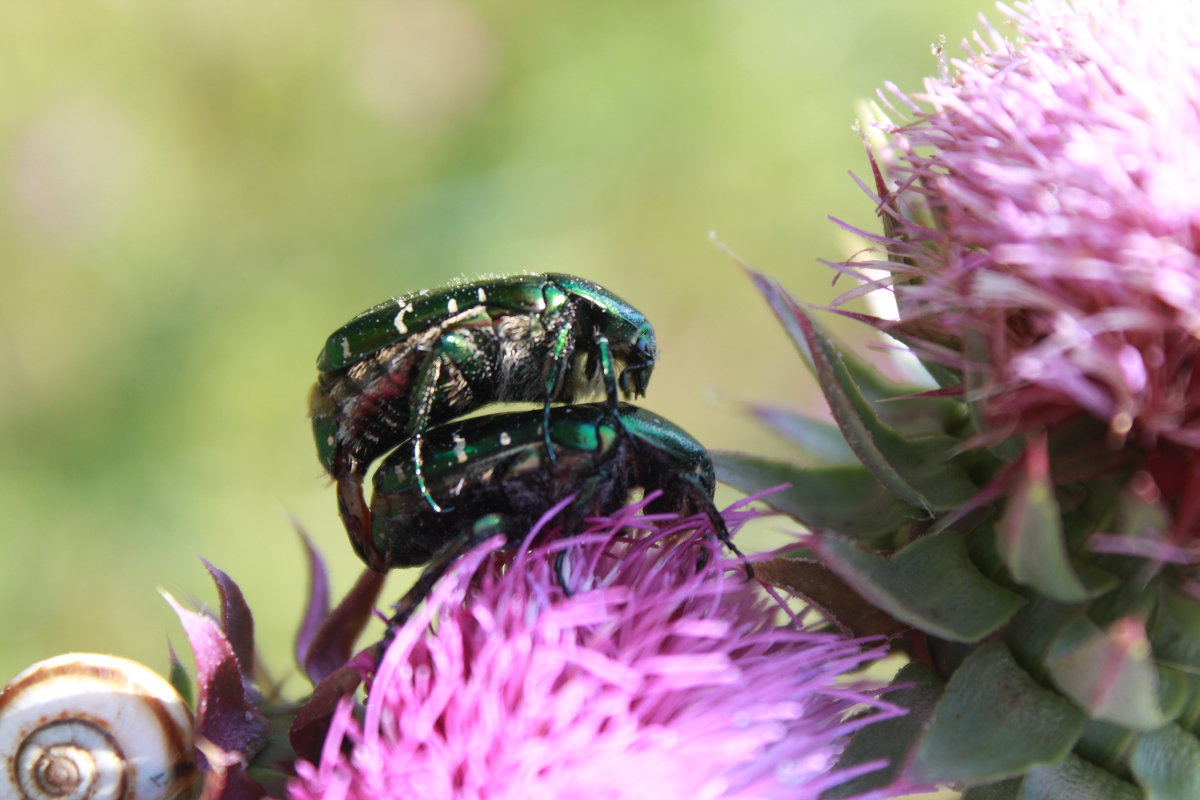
point(639, 361)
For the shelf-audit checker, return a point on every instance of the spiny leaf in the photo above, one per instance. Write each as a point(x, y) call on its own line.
point(226, 715)
point(317, 607)
point(844, 499)
point(1175, 689)
point(1031, 535)
point(1106, 745)
point(824, 589)
point(334, 640)
point(1175, 627)
point(1075, 779)
point(1166, 763)
point(1034, 629)
point(994, 722)
point(1174, 632)
point(1109, 672)
point(920, 470)
point(930, 584)
point(236, 620)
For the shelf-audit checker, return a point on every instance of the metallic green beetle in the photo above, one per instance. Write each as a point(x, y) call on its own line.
point(430, 356)
point(498, 476)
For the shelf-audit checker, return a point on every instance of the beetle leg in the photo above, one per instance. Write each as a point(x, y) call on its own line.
point(484, 528)
point(457, 351)
point(610, 386)
point(352, 506)
point(573, 518)
point(609, 372)
point(356, 517)
point(560, 562)
point(561, 324)
point(693, 491)
point(425, 392)
point(722, 532)
point(612, 412)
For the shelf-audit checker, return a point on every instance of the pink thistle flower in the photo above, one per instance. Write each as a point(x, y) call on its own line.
point(1044, 232)
point(653, 678)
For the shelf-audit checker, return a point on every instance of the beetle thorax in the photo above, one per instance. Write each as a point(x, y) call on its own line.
point(525, 347)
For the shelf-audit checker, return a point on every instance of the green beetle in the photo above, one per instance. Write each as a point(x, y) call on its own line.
point(430, 356)
point(497, 475)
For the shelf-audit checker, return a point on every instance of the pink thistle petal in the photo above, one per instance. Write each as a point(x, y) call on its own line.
point(653, 678)
point(1044, 197)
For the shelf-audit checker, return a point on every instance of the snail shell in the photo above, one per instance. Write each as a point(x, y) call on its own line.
point(92, 727)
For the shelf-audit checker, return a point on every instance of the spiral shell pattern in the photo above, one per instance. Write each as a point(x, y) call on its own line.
point(93, 727)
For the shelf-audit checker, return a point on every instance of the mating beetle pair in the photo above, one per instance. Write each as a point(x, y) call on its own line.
point(408, 363)
point(393, 372)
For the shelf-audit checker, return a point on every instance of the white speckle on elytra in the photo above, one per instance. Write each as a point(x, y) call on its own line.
point(481, 294)
point(345, 348)
point(399, 321)
point(451, 306)
point(505, 439)
point(460, 449)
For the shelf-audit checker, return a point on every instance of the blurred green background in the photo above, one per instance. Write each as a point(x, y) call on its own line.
point(194, 194)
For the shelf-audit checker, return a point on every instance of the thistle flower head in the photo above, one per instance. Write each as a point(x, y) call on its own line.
point(652, 678)
point(1045, 219)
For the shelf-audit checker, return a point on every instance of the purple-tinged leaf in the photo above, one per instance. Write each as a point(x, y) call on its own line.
point(823, 589)
point(1109, 672)
point(236, 620)
point(307, 733)
point(1166, 762)
point(334, 641)
point(1030, 534)
point(847, 500)
point(931, 584)
point(225, 715)
point(317, 607)
point(922, 471)
point(232, 783)
point(993, 722)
